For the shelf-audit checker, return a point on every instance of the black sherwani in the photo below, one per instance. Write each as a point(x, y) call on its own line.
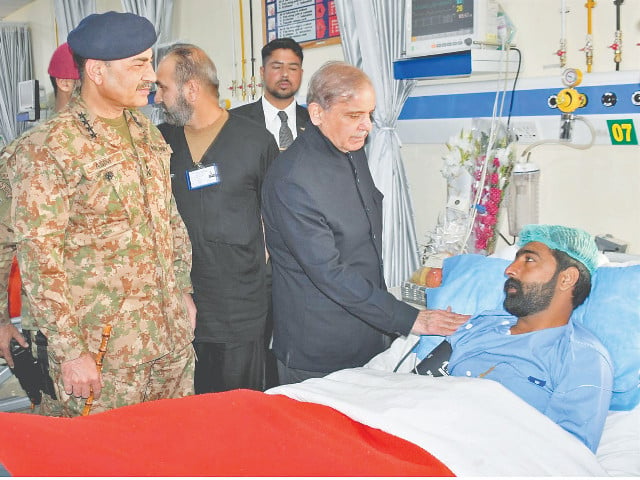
point(323, 221)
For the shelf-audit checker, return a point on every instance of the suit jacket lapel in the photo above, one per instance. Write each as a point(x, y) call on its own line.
point(302, 117)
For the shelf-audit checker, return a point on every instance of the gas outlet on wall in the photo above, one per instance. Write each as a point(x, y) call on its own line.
point(525, 131)
point(609, 99)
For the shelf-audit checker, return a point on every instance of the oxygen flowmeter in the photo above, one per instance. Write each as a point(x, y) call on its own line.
point(569, 100)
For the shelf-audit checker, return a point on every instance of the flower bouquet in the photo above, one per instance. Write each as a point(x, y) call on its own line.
point(477, 168)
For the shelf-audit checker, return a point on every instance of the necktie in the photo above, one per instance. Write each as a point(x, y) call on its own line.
point(286, 137)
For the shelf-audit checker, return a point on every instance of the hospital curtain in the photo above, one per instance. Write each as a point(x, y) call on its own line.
point(69, 13)
point(16, 65)
point(371, 32)
point(159, 12)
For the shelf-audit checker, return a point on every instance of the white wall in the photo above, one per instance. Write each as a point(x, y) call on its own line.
point(597, 189)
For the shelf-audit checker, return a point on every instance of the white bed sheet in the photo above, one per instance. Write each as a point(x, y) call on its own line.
point(619, 449)
point(474, 426)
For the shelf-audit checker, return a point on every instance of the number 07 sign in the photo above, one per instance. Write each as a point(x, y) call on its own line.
point(622, 132)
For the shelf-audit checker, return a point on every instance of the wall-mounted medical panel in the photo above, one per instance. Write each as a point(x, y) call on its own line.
point(611, 104)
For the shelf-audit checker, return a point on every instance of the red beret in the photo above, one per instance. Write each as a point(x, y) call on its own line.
point(62, 64)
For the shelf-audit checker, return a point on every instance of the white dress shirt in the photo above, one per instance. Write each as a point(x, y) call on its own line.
point(272, 121)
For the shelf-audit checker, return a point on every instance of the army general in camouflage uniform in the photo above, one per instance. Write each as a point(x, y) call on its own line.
point(100, 241)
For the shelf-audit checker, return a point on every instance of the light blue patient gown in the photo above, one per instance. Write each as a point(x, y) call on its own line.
point(564, 372)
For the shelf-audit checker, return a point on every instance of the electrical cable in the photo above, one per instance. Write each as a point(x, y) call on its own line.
point(515, 82)
point(513, 94)
point(404, 357)
point(495, 116)
point(512, 243)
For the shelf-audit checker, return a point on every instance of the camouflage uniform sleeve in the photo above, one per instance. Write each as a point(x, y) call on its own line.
point(42, 194)
point(7, 244)
point(181, 250)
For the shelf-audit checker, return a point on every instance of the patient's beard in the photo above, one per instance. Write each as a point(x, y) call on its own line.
point(528, 298)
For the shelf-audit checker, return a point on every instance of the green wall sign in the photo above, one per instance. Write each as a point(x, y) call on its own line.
point(622, 132)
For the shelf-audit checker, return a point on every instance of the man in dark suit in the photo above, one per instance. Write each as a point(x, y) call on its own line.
point(281, 73)
point(323, 226)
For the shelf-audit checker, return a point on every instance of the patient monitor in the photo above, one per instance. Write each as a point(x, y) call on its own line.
point(435, 27)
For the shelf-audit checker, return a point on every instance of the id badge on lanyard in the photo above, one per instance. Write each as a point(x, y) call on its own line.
point(203, 177)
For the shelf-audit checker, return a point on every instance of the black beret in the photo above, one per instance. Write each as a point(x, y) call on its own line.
point(111, 36)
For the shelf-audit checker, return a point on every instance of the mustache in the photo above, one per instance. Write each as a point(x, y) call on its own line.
point(512, 283)
point(145, 85)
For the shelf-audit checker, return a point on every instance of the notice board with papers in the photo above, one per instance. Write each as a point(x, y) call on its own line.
point(311, 23)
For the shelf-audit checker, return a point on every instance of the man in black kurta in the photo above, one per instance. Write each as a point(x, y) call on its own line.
point(222, 215)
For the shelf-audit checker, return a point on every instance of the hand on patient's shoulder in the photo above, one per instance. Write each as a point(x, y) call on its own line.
point(438, 322)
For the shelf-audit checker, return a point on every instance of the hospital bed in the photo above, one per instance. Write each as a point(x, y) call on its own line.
point(365, 421)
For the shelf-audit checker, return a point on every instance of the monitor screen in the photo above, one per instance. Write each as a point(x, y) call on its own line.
point(436, 27)
point(438, 18)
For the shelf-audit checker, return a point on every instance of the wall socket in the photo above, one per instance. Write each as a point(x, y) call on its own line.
point(525, 131)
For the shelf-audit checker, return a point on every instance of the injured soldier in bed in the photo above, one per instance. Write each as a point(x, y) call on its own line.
point(536, 350)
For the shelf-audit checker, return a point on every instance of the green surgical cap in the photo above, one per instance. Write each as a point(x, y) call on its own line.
point(576, 243)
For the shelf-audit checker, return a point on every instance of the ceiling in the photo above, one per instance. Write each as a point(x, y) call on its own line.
point(7, 7)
